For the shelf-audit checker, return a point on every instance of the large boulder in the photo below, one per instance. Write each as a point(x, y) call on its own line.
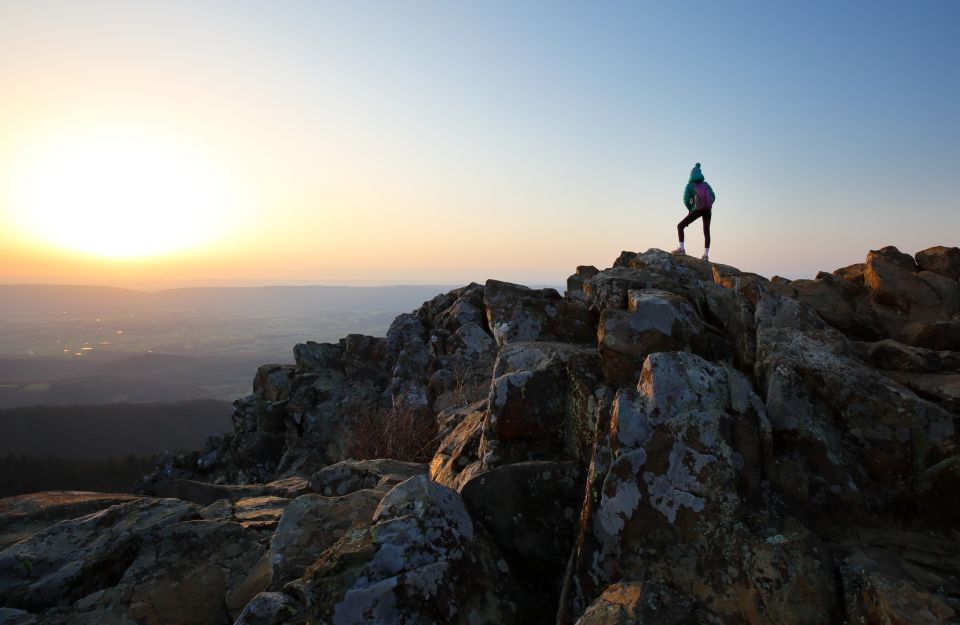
point(891, 355)
point(348, 476)
point(684, 469)
point(462, 346)
point(891, 277)
point(215, 556)
point(409, 346)
point(684, 276)
point(792, 580)
point(575, 282)
point(72, 559)
point(363, 358)
point(313, 357)
point(681, 269)
point(610, 288)
point(300, 460)
point(423, 561)
point(942, 260)
point(531, 510)
point(458, 456)
point(901, 577)
point(842, 303)
point(517, 313)
point(25, 515)
point(848, 439)
point(442, 353)
point(539, 402)
point(254, 413)
point(448, 311)
point(851, 273)
point(312, 523)
point(713, 303)
point(334, 383)
point(942, 389)
point(937, 335)
point(654, 321)
point(128, 563)
point(272, 382)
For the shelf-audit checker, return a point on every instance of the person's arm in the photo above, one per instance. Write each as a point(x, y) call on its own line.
point(688, 196)
point(713, 194)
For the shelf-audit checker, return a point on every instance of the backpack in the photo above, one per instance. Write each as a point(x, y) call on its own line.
point(702, 198)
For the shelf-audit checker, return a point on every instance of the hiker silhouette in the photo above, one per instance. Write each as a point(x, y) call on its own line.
point(698, 197)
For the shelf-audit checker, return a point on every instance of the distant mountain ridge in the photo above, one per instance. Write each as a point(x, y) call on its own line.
point(29, 299)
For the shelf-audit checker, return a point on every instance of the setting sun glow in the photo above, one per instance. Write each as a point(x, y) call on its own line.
point(119, 194)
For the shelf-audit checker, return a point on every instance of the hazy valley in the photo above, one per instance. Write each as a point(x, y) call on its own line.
point(95, 381)
point(64, 345)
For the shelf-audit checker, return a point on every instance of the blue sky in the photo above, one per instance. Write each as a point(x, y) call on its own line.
point(454, 141)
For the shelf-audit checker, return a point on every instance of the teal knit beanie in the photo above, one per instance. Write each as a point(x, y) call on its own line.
point(695, 174)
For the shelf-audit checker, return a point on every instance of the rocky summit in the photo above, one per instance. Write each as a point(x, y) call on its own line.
point(671, 441)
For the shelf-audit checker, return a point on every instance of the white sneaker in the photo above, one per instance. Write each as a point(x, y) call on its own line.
point(679, 251)
point(705, 257)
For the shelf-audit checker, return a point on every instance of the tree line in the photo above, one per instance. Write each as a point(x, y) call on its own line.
point(29, 474)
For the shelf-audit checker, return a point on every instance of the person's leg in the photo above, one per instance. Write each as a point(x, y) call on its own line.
point(689, 219)
point(706, 233)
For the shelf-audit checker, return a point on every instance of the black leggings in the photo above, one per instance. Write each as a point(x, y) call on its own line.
point(692, 217)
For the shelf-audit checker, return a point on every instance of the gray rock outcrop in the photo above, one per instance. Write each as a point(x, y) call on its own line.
point(671, 441)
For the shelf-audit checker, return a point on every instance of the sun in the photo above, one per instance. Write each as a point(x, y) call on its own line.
point(120, 194)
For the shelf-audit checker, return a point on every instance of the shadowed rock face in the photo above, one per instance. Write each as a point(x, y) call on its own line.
point(423, 560)
point(24, 515)
point(539, 402)
point(676, 483)
point(74, 558)
point(529, 509)
point(516, 313)
point(940, 260)
point(672, 441)
point(655, 321)
point(310, 525)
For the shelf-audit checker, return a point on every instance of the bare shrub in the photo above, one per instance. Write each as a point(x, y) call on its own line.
point(471, 384)
point(397, 432)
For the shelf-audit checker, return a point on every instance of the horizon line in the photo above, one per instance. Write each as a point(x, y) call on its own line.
point(266, 284)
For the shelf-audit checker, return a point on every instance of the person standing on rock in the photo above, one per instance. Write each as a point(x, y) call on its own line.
point(698, 197)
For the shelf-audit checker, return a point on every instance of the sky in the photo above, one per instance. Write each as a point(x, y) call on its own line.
point(154, 144)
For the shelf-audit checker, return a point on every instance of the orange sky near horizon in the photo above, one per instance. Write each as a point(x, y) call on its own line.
point(314, 219)
point(438, 143)
point(310, 215)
